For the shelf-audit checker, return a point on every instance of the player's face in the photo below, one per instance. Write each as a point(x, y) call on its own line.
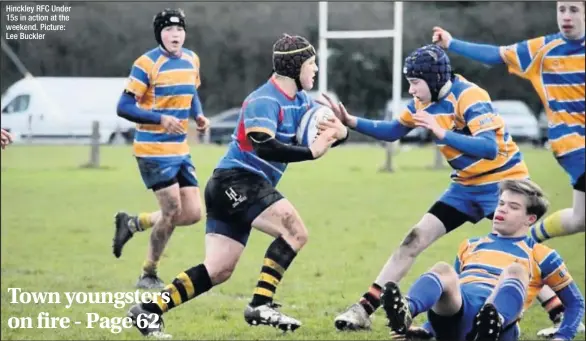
point(571, 19)
point(307, 75)
point(418, 88)
point(511, 217)
point(173, 38)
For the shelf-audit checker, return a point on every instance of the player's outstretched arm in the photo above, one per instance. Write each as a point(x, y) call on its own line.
point(128, 109)
point(573, 302)
point(381, 130)
point(484, 53)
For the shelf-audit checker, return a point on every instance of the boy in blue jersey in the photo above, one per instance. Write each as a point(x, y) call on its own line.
point(471, 136)
point(554, 64)
point(495, 278)
point(160, 96)
point(241, 193)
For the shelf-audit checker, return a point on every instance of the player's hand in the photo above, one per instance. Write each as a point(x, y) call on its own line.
point(203, 123)
point(441, 37)
point(425, 120)
point(334, 123)
point(172, 124)
point(413, 333)
point(6, 139)
point(339, 110)
point(322, 143)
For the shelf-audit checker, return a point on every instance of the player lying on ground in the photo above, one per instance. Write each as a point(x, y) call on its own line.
point(6, 139)
point(472, 138)
point(554, 64)
point(241, 193)
point(164, 82)
point(494, 279)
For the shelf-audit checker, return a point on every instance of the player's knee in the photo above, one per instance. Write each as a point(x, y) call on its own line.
point(443, 269)
point(516, 271)
point(188, 217)
point(413, 244)
point(445, 272)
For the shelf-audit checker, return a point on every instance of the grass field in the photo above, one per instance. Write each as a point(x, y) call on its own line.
point(57, 231)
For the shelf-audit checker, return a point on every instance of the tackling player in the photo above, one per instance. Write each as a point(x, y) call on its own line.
point(494, 279)
point(241, 193)
point(472, 138)
point(162, 93)
point(554, 64)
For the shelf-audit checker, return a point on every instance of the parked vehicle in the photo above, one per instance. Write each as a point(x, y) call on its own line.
point(63, 109)
point(520, 120)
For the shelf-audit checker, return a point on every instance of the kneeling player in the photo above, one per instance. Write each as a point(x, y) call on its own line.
point(241, 192)
point(494, 279)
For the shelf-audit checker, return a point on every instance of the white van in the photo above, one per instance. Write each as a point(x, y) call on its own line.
point(62, 110)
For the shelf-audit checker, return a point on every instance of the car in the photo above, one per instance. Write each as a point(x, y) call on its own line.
point(223, 124)
point(520, 120)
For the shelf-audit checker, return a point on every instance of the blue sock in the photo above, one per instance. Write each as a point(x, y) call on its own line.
point(424, 293)
point(509, 299)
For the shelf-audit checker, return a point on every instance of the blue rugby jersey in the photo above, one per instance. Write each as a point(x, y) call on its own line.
point(269, 110)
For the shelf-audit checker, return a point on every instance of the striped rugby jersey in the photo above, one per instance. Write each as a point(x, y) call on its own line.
point(467, 110)
point(167, 85)
point(555, 67)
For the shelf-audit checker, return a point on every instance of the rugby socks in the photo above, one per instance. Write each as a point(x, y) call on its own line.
point(549, 228)
point(509, 299)
point(277, 259)
point(370, 301)
point(150, 268)
point(424, 293)
point(554, 308)
point(144, 221)
point(187, 285)
point(140, 223)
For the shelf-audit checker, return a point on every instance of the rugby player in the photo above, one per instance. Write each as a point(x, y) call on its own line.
point(161, 95)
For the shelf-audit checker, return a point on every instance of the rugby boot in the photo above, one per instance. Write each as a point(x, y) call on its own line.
point(125, 227)
point(267, 314)
point(150, 281)
point(486, 326)
point(354, 318)
point(396, 308)
point(148, 323)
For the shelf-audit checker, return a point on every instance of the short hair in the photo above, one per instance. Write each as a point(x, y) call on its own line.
point(537, 203)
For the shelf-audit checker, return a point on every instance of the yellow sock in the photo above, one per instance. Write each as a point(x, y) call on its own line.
point(149, 267)
point(144, 221)
point(549, 228)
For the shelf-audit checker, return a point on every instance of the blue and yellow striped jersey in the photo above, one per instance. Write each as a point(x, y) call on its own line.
point(481, 260)
point(167, 85)
point(468, 110)
point(555, 67)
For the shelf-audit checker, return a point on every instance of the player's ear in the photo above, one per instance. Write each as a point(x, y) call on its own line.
point(532, 219)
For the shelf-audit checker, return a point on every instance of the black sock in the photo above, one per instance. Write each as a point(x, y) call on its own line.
point(278, 257)
point(185, 286)
point(370, 301)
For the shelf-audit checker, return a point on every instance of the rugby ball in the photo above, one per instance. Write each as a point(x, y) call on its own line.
point(307, 130)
